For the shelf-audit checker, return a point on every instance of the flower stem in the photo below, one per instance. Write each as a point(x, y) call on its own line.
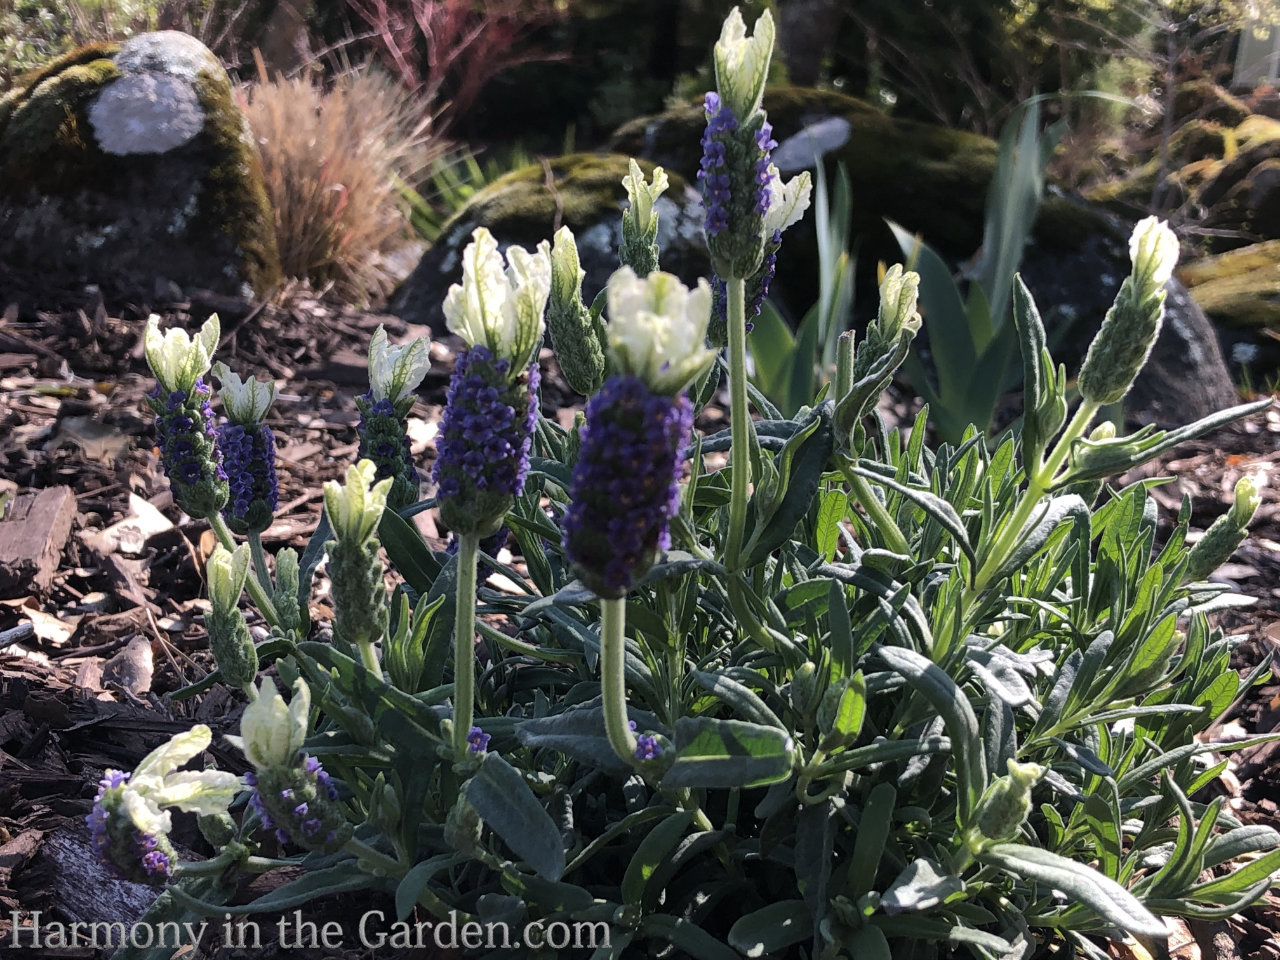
point(739, 419)
point(876, 512)
point(260, 561)
point(1040, 477)
point(259, 595)
point(464, 634)
point(613, 623)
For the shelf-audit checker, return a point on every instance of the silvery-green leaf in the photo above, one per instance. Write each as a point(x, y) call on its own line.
point(921, 886)
point(1081, 883)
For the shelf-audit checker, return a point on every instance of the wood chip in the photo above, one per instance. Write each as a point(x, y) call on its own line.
point(31, 540)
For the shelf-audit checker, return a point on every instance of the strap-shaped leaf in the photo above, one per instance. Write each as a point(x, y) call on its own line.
point(1081, 883)
point(1030, 541)
point(921, 886)
point(687, 936)
point(505, 802)
point(728, 753)
point(771, 929)
point(803, 475)
point(932, 504)
point(408, 552)
point(953, 706)
point(579, 733)
point(343, 877)
point(654, 850)
point(740, 697)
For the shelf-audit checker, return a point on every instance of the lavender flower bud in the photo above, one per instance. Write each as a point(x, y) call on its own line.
point(188, 448)
point(639, 249)
point(285, 595)
point(625, 484)
point(485, 438)
point(229, 637)
point(1130, 329)
point(355, 569)
point(1225, 534)
point(1007, 802)
point(575, 334)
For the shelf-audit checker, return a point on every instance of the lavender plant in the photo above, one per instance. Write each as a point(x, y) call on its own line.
point(849, 696)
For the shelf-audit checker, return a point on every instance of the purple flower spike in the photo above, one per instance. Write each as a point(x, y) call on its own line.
point(249, 461)
point(625, 484)
point(486, 435)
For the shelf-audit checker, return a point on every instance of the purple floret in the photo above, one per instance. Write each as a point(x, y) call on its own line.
point(249, 460)
point(477, 740)
point(712, 171)
point(626, 483)
point(647, 747)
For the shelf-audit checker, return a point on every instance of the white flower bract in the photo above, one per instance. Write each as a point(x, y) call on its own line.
point(397, 371)
point(175, 358)
point(643, 194)
point(227, 572)
point(742, 62)
point(271, 732)
point(1153, 248)
point(658, 327)
point(355, 508)
point(246, 401)
point(155, 785)
point(499, 305)
point(787, 201)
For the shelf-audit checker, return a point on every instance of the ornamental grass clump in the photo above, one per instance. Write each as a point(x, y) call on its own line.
point(848, 696)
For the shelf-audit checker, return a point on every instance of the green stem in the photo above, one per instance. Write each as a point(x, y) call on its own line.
point(206, 868)
point(739, 419)
point(388, 866)
point(1040, 478)
point(260, 597)
point(260, 562)
point(464, 635)
point(876, 512)
point(369, 656)
point(613, 676)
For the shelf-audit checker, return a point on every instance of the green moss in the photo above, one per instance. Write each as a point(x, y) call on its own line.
point(581, 190)
point(235, 202)
point(47, 136)
point(27, 84)
point(1240, 288)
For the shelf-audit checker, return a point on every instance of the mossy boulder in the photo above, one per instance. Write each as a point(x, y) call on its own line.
point(582, 191)
point(934, 182)
point(925, 177)
point(127, 165)
point(1240, 288)
point(1203, 99)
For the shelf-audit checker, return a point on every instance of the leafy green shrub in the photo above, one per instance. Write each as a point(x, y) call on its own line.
point(893, 701)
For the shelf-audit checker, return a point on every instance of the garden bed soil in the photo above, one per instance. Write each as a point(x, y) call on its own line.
point(108, 620)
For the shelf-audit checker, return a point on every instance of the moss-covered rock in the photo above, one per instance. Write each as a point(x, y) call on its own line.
point(582, 191)
point(129, 164)
point(1203, 99)
point(1241, 288)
